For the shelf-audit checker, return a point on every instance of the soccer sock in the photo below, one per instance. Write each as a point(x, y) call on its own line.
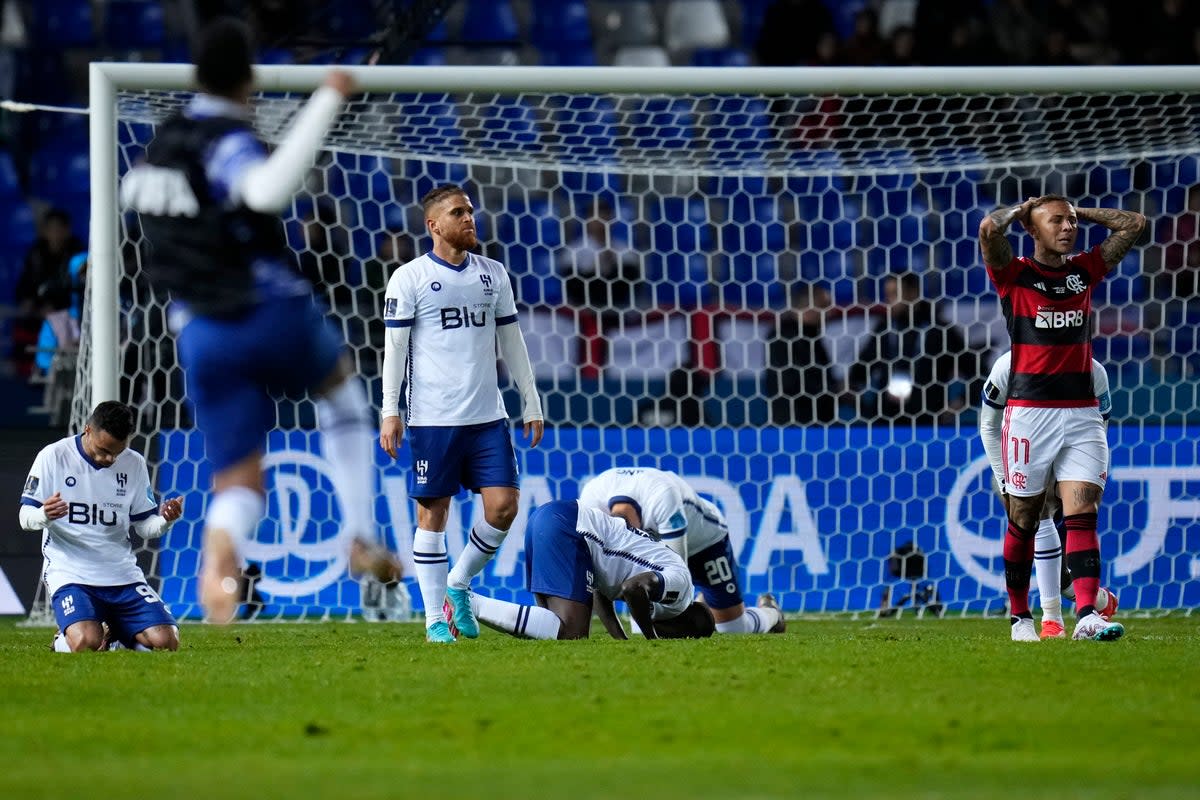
point(1083, 560)
point(429, 555)
point(481, 545)
point(237, 511)
point(752, 620)
point(1047, 564)
point(348, 440)
point(528, 622)
point(60, 643)
point(1018, 566)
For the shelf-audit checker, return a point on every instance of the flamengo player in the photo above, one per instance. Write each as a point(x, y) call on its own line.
point(85, 492)
point(1052, 419)
point(445, 312)
point(667, 506)
point(1048, 545)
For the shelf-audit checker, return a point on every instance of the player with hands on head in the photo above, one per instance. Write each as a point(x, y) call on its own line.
point(210, 196)
point(665, 504)
point(85, 493)
point(1048, 570)
point(578, 561)
point(445, 312)
point(1052, 419)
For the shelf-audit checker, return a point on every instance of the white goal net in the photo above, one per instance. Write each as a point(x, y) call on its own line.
point(766, 280)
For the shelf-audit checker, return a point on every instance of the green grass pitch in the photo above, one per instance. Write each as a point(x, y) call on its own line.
point(833, 708)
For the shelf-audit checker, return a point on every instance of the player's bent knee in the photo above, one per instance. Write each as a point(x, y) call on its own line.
point(160, 637)
point(85, 636)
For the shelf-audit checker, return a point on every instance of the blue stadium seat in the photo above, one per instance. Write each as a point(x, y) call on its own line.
point(721, 57)
point(557, 22)
point(661, 124)
point(567, 54)
point(59, 168)
point(134, 24)
point(10, 184)
point(63, 23)
point(489, 21)
point(20, 227)
point(753, 13)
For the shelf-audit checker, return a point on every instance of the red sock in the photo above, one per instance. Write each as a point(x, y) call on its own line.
point(1018, 566)
point(1083, 558)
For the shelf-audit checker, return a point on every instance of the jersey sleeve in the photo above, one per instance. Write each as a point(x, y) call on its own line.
point(995, 389)
point(1093, 262)
point(228, 161)
point(663, 513)
point(506, 304)
point(1101, 385)
point(40, 483)
point(399, 300)
point(144, 505)
point(1004, 277)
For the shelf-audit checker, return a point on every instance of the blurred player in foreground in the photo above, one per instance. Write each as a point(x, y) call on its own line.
point(578, 561)
point(85, 493)
point(667, 506)
point(209, 197)
point(445, 313)
point(1052, 578)
point(1052, 418)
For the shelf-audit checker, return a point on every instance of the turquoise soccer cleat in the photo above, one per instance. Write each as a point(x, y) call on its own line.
point(464, 619)
point(439, 633)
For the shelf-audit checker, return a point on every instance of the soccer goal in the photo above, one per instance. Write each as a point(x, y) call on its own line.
point(704, 261)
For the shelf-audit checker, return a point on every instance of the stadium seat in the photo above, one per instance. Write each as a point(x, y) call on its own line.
point(20, 227)
point(10, 184)
point(489, 21)
point(567, 54)
point(844, 12)
point(63, 23)
point(622, 23)
point(692, 24)
point(557, 22)
point(736, 403)
point(721, 57)
point(59, 168)
point(641, 55)
point(134, 24)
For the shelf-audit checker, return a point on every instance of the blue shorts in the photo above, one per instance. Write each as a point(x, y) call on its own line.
point(557, 562)
point(468, 456)
point(236, 367)
point(128, 609)
point(714, 571)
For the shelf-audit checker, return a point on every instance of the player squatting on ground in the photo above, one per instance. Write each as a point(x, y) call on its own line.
point(84, 493)
point(666, 505)
point(578, 561)
point(209, 197)
point(1052, 419)
point(1049, 572)
point(445, 313)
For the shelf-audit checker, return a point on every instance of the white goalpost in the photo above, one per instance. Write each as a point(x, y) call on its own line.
point(659, 225)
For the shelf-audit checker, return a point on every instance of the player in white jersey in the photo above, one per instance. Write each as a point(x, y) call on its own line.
point(579, 560)
point(667, 506)
point(445, 313)
point(84, 493)
point(1048, 568)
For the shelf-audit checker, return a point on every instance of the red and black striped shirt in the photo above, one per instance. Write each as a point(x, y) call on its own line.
point(1049, 316)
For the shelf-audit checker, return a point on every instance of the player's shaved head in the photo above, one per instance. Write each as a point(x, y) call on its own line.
point(223, 55)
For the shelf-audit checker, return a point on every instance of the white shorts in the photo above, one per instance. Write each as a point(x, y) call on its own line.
point(1070, 443)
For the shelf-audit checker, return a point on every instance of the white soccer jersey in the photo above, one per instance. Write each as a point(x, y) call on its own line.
point(995, 398)
point(453, 313)
point(668, 505)
point(618, 553)
point(90, 545)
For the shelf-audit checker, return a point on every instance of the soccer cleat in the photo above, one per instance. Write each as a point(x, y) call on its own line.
point(371, 558)
point(462, 616)
point(769, 601)
point(1097, 628)
point(1023, 630)
point(448, 613)
point(439, 633)
point(1052, 629)
point(1110, 606)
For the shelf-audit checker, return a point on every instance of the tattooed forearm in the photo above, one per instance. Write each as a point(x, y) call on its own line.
point(1126, 226)
point(997, 250)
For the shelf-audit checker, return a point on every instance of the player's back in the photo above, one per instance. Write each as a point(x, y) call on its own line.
point(651, 491)
point(619, 552)
point(453, 312)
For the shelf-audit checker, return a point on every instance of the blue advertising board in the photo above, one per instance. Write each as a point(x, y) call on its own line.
point(814, 513)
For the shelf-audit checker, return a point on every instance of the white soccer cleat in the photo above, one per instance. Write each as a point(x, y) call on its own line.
point(1097, 628)
point(1023, 630)
point(1106, 602)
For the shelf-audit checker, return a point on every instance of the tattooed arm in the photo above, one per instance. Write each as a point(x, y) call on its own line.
point(1126, 226)
point(993, 233)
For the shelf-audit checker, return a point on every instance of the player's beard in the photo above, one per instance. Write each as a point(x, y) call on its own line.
point(462, 239)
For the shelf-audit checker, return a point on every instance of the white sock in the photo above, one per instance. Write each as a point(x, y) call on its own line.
point(482, 544)
point(1047, 563)
point(237, 511)
point(60, 644)
point(527, 622)
point(348, 441)
point(752, 620)
point(429, 554)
